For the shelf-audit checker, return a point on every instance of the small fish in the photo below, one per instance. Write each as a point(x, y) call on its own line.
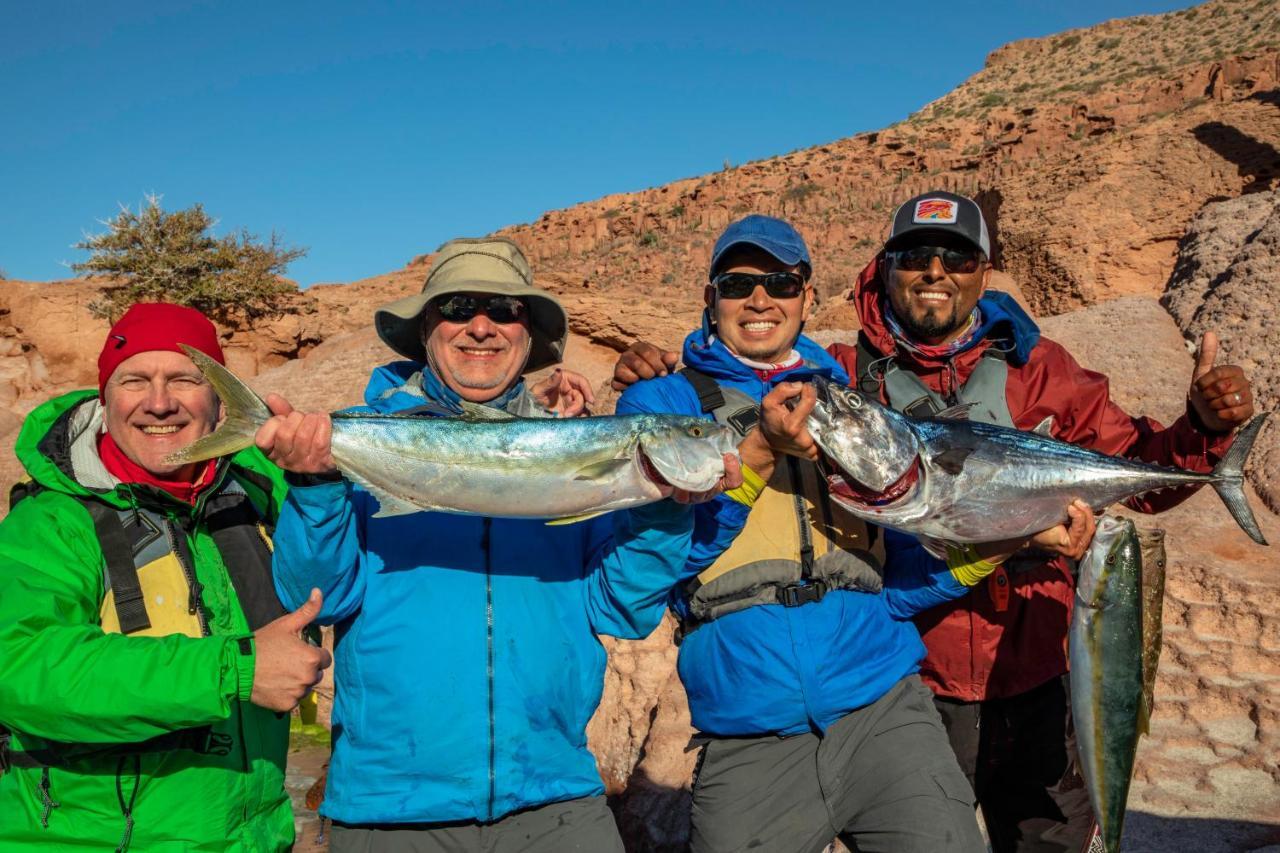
point(950, 480)
point(488, 462)
point(1106, 652)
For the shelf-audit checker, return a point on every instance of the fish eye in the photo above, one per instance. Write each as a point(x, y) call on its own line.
point(696, 431)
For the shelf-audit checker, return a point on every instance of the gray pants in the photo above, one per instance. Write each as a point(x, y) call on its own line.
point(584, 825)
point(883, 778)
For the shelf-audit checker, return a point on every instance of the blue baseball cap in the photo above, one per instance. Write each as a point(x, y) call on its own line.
point(774, 236)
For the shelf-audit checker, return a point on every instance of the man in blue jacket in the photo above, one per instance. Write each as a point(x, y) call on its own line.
point(798, 654)
point(467, 663)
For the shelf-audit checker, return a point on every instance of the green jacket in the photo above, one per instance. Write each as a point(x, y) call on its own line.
point(64, 679)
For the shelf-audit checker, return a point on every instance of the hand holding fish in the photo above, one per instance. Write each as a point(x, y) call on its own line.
point(1221, 396)
point(564, 392)
point(642, 360)
point(1069, 540)
point(785, 425)
point(731, 480)
point(300, 442)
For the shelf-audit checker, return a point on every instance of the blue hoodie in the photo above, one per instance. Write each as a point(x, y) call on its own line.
point(771, 669)
point(467, 663)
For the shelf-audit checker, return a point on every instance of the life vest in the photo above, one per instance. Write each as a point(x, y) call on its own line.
point(152, 591)
point(797, 544)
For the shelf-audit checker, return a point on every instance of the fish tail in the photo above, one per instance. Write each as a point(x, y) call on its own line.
point(1228, 479)
point(245, 412)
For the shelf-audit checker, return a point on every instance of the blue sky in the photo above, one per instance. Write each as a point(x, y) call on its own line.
point(372, 132)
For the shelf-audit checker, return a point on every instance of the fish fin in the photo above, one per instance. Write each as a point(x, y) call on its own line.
point(1045, 427)
point(574, 519)
point(958, 412)
point(245, 412)
point(936, 547)
point(1228, 479)
point(1144, 717)
point(476, 412)
point(388, 504)
point(598, 471)
point(951, 461)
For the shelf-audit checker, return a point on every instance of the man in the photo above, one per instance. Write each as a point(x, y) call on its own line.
point(467, 658)
point(144, 657)
point(798, 655)
point(932, 336)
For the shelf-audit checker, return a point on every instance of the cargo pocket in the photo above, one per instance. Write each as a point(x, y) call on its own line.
point(954, 786)
point(697, 767)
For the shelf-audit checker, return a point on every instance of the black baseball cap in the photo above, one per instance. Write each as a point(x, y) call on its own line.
point(941, 213)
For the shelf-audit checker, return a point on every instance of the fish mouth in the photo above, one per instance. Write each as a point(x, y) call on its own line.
point(649, 470)
point(849, 492)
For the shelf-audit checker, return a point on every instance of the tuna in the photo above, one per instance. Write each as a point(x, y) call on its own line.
point(1106, 652)
point(950, 480)
point(487, 462)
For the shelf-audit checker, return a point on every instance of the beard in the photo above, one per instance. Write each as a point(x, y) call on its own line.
point(931, 323)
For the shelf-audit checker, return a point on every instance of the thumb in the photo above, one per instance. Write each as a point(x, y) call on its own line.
point(278, 405)
point(1206, 355)
point(306, 614)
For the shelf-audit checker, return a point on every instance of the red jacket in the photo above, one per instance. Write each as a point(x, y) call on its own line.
point(974, 650)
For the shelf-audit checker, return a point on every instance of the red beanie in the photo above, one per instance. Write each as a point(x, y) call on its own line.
point(156, 326)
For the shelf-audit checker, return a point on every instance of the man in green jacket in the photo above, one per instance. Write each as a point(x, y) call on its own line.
point(145, 662)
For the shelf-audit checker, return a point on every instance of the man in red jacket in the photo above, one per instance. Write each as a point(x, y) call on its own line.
point(932, 336)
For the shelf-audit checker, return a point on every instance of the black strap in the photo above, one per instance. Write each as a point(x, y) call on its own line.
point(201, 739)
point(131, 610)
point(710, 397)
point(233, 523)
point(864, 357)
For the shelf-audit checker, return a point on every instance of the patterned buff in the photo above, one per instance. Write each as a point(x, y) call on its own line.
point(967, 338)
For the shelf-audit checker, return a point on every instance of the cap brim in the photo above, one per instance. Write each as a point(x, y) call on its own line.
point(784, 254)
point(909, 235)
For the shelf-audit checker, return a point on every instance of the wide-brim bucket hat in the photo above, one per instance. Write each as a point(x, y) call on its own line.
point(478, 265)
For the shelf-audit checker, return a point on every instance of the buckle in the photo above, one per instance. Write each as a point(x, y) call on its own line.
point(217, 744)
point(794, 595)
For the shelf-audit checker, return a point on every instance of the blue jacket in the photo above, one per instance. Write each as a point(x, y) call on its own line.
point(467, 663)
point(785, 670)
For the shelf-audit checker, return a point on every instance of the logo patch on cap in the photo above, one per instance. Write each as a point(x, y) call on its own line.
point(937, 210)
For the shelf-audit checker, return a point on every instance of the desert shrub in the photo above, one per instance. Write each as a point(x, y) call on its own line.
point(155, 255)
point(648, 238)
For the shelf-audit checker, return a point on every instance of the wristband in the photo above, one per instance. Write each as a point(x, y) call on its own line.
point(751, 487)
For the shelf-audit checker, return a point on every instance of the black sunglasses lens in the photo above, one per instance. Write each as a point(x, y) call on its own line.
point(458, 309)
point(504, 309)
point(783, 285)
point(735, 285)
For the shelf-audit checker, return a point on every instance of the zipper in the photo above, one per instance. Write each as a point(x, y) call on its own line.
point(488, 620)
point(802, 519)
point(195, 605)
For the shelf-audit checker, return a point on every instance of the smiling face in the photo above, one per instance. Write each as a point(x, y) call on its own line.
point(477, 358)
point(760, 327)
point(932, 304)
point(157, 402)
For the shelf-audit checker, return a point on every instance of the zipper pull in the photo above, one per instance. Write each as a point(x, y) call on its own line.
point(197, 590)
point(998, 587)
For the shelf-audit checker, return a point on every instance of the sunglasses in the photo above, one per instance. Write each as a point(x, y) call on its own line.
point(918, 259)
point(740, 285)
point(461, 307)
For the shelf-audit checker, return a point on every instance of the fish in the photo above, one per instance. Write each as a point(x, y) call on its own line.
point(1106, 652)
point(949, 480)
point(487, 462)
point(1151, 541)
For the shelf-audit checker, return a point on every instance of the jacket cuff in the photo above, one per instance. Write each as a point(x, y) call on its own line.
point(302, 480)
point(243, 648)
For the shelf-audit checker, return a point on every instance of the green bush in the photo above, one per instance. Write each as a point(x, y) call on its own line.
point(648, 238)
point(156, 256)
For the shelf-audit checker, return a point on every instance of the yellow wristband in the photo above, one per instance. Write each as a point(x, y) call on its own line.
point(966, 566)
point(750, 489)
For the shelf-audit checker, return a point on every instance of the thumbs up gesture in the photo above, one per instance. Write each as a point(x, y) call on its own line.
point(1221, 395)
point(285, 667)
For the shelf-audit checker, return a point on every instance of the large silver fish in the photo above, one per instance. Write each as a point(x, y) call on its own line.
point(1106, 653)
point(487, 462)
point(947, 479)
